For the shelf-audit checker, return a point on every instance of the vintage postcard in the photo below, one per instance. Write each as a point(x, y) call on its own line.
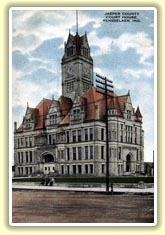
point(83, 87)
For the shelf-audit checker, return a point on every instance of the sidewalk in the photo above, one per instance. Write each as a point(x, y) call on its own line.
point(87, 189)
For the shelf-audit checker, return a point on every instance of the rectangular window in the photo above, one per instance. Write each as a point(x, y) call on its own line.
point(86, 169)
point(31, 156)
point(53, 119)
point(86, 152)
point(67, 137)
point(119, 151)
point(102, 152)
point(26, 142)
point(74, 169)
point(79, 169)
point(21, 157)
point(121, 136)
point(137, 155)
point(18, 157)
point(91, 133)
point(21, 141)
point(74, 136)
point(79, 135)
point(91, 169)
point(91, 152)
point(26, 170)
point(74, 153)
point(26, 154)
point(79, 153)
point(70, 86)
point(62, 169)
point(102, 168)
point(102, 133)
point(68, 170)
point(86, 134)
point(62, 154)
point(30, 142)
point(68, 154)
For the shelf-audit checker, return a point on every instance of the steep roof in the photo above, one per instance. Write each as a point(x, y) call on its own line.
point(138, 113)
point(65, 105)
point(94, 106)
point(42, 111)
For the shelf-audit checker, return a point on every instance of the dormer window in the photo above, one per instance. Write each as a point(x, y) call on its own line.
point(128, 114)
point(28, 123)
point(112, 112)
point(53, 119)
point(76, 114)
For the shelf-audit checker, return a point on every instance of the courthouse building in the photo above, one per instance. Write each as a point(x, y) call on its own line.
point(67, 137)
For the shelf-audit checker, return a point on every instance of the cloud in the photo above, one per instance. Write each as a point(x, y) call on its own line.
point(103, 45)
point(31, 28)
point(139, 73)
point(19, 60)
point(139, 41)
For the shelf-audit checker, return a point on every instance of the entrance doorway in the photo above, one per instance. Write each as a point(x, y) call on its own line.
point(128, 163)
point(48, 158)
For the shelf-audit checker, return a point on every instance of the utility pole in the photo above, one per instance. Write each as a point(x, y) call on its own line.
point(106, 85)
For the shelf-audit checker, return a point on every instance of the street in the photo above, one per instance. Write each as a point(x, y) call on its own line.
point(41, 206)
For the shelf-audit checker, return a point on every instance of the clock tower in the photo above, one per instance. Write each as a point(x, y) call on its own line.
point(77, 66)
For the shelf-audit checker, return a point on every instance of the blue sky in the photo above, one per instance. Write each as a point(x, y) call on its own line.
point(122, 51)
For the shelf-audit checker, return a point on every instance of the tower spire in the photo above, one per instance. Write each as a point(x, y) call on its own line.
point(76, 21)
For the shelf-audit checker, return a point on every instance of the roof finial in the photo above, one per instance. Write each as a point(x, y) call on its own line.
point(76, 21)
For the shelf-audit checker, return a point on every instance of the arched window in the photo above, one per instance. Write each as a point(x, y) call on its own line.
point(48, 158)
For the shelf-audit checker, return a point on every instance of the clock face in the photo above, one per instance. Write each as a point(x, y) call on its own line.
point(69, 71)
point(86, 71)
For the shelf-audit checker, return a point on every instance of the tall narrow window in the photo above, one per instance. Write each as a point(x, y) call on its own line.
point(91, 152)
point(102, 168)
point(18, 158)
point(68, 154)
point(74, 153)
point(31, 156)
point(68, 170)
point(91, 169)
point(102, 133)
point(79, 153)
point(86, 134)
point(91, 133)
point(79, 169)
point(62, 169)
point(102, 152)
point(86, 152)
point(119, 151)
point(74, 136)
point(67, 137)
point(26, 154)
point(74, 169)
point(86, 169)
point(79, 135)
